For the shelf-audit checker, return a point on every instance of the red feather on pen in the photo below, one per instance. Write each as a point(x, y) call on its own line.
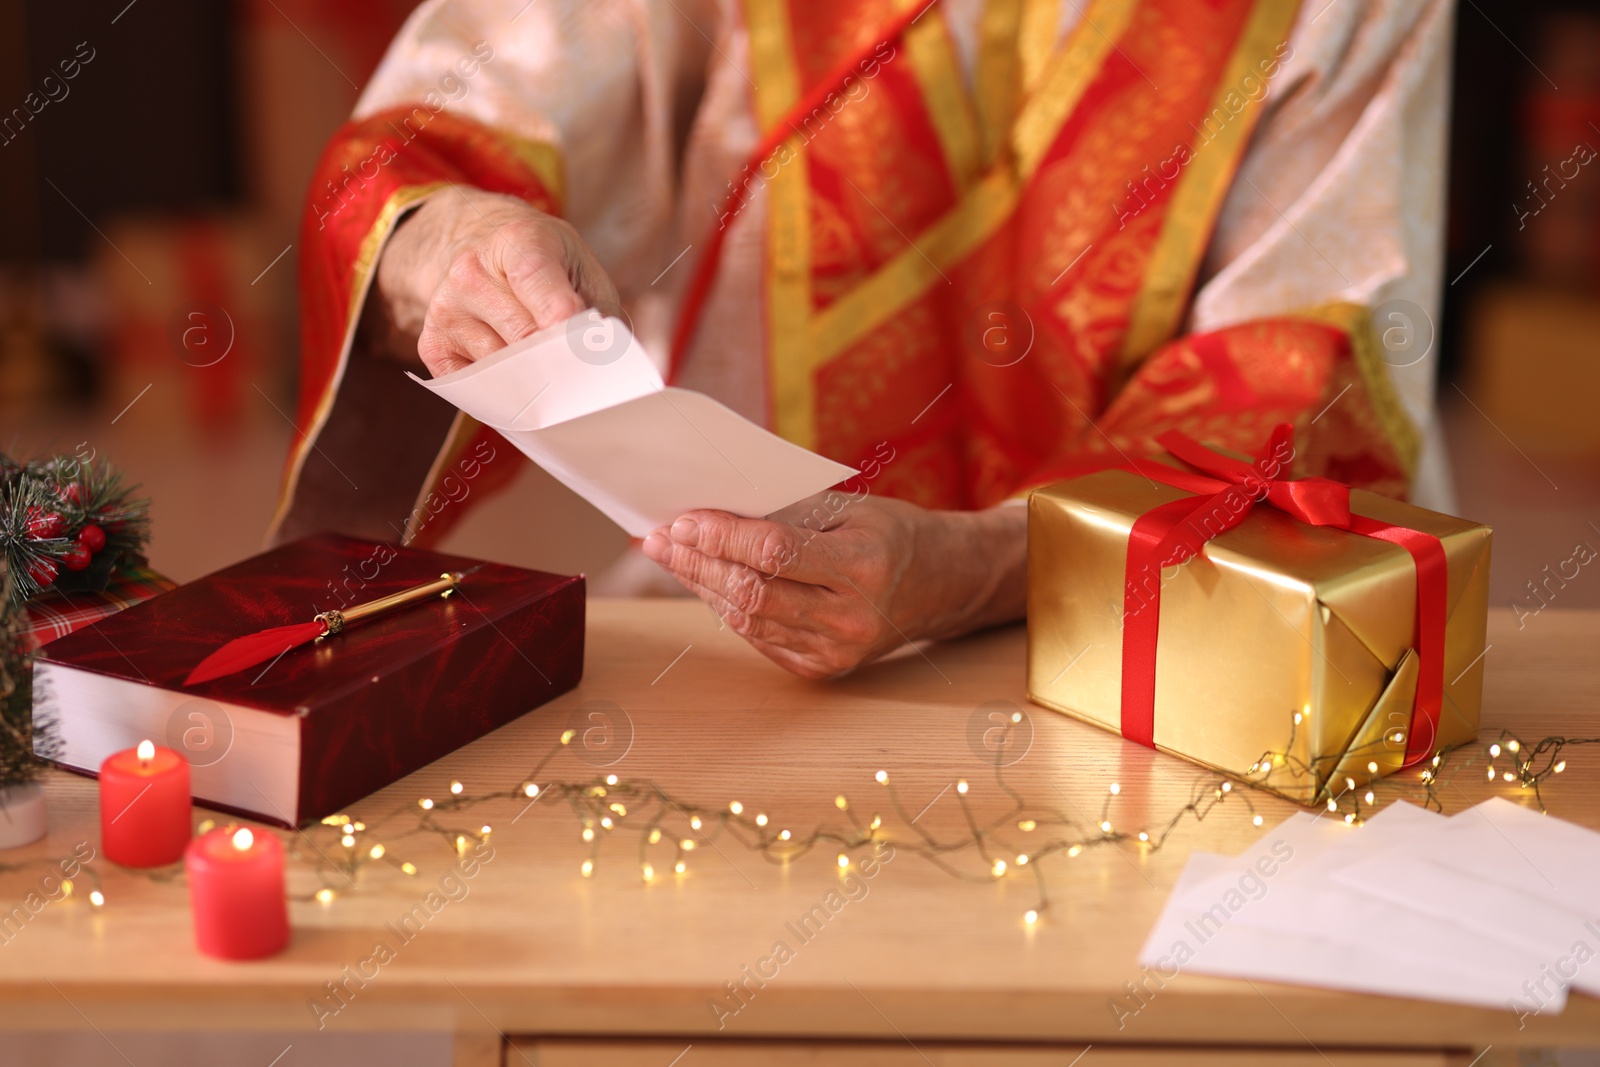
point(255, 648)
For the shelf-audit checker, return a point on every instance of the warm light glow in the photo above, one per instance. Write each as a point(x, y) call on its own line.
point(611, 779)
point(1026, 825)
point(784, 835)
point(1349, 783)
point(1105, 827)
point(876, 822)
point(347, 841)
point(844, 861)
point(1143, 836)
point(485, 830)
point(1560, 766)
point(206, 826)
point(1369, 796)
point(620, 810)
point(882, 777)
point(606, 822)
point(1397, 737)
point(1016, 716)
point(97, 898)
point(324, 896)
point(1509, 776)
point(841, 803)
point(1333, 805)
point(1513, 746)
point(1372, 767)
point(530, 790)
point(1494, 750)
point(961, 786)
point(1491, 772)
point(1022, 860)
point(456, 788)
point(1030, 916)
point(680, 867)
point(736, 807)
point(587, 868)
point(1227, 787)
point(1256, 821)
point(761, 820)
point(648, 871)
point(146, 751)
point(425, 804)
point(1075, 850)
point(567, 736)
point(1350, 818)
point(243, 839)
point(655, 834)
point(588, 833)
point(688, 843)
point(1297, 718)
point(410, 869)
point(694, 822)
point(376, 852)
point(1115, 788)
point(999, 868)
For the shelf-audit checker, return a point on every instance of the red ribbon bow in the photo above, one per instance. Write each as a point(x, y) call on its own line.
point(1226, 491)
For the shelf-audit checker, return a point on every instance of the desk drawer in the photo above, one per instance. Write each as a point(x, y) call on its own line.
point(565, 1052)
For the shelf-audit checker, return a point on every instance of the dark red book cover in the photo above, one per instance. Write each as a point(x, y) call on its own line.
point(390, 694)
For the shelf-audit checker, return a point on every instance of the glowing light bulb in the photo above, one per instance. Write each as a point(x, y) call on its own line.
point(146, 751)
point(655, 834)
point(761, 819)
point(1513, 745)
point(606, 822)
point(611, 779)
point(1368, 797)
point(1016, 716)
point(688, 844)
point(1372, 767)
point(680, 867)
point(376, 852)
point(1256, 821)
point(961, 787)
point(530, 790)
point(648, 871)
point(1349, 818)
point(694, 822)
point(348, 841)
point(1560, 767)
point(999, 868)
point(736, 807)
point(97, 898)
point(409, 868)
point(1143, 836)
point(1027, 825)
point(1349, 783)
point(1508, 776)
point(588, 833)
point(1030, 916)
point(876, 822)
point(243, 839)
point(324, 896)
point(882, 777)
point(1116, 788)
point(456, 788)
point(1494, 750)
point(567, 736)
point(1022, 860)
point(1491, 772)
point(1333, 805)
point(1297, 718)
point(485, 830)
point(587, 868)
point(620, 810)
point(1105, 827)
point(784, 835)
point(844, 861)
point(1227, 787)
point(1075, 850)
point(841, 803)
point(425, 804)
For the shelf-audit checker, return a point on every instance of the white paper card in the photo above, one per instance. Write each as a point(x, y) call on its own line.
point(584, 401)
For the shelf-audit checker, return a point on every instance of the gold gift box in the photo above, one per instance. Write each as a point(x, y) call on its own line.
point(1285, 651)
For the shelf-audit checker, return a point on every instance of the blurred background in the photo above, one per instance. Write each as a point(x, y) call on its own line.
point(168, 178)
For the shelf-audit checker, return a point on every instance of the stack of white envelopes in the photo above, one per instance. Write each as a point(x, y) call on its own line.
point(1497, 906)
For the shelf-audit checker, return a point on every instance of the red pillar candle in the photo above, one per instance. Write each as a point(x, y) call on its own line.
point(144, 806)
point(236, 894)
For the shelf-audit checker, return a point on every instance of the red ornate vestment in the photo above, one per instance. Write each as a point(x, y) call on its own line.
point(993, 281)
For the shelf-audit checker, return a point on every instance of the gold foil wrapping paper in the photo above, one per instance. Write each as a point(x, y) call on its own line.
point(1285, 653)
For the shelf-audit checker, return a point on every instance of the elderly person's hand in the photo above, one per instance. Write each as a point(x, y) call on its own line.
point(470, 272)
point(853, 583)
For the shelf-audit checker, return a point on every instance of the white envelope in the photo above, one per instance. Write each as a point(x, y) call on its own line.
point(584, 401)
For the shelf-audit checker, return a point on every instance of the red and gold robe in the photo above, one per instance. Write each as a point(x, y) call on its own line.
point(1013, 240)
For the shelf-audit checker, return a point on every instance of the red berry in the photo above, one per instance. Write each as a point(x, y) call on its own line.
point(42, 571)
point(92, 537)
point(43, 524)
point(72, 493)
point(76, 558)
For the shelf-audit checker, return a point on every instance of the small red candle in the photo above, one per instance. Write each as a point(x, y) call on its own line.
point(236, 894)
point(145, 813)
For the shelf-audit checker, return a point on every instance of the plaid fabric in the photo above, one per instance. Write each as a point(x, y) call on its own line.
point(57, 615)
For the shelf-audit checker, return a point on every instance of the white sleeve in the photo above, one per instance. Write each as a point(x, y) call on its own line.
point(1341, 194)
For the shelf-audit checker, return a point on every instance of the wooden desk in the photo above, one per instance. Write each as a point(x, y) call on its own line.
point(922, 968)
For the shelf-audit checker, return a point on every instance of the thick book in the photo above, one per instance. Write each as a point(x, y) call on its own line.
point(300, 738)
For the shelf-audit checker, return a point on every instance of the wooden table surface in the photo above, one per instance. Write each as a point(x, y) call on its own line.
point(915, 965)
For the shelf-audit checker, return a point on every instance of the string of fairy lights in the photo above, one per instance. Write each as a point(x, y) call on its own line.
point(668, 829)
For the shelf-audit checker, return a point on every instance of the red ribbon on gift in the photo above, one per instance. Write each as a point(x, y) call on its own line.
point(1226, 489)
